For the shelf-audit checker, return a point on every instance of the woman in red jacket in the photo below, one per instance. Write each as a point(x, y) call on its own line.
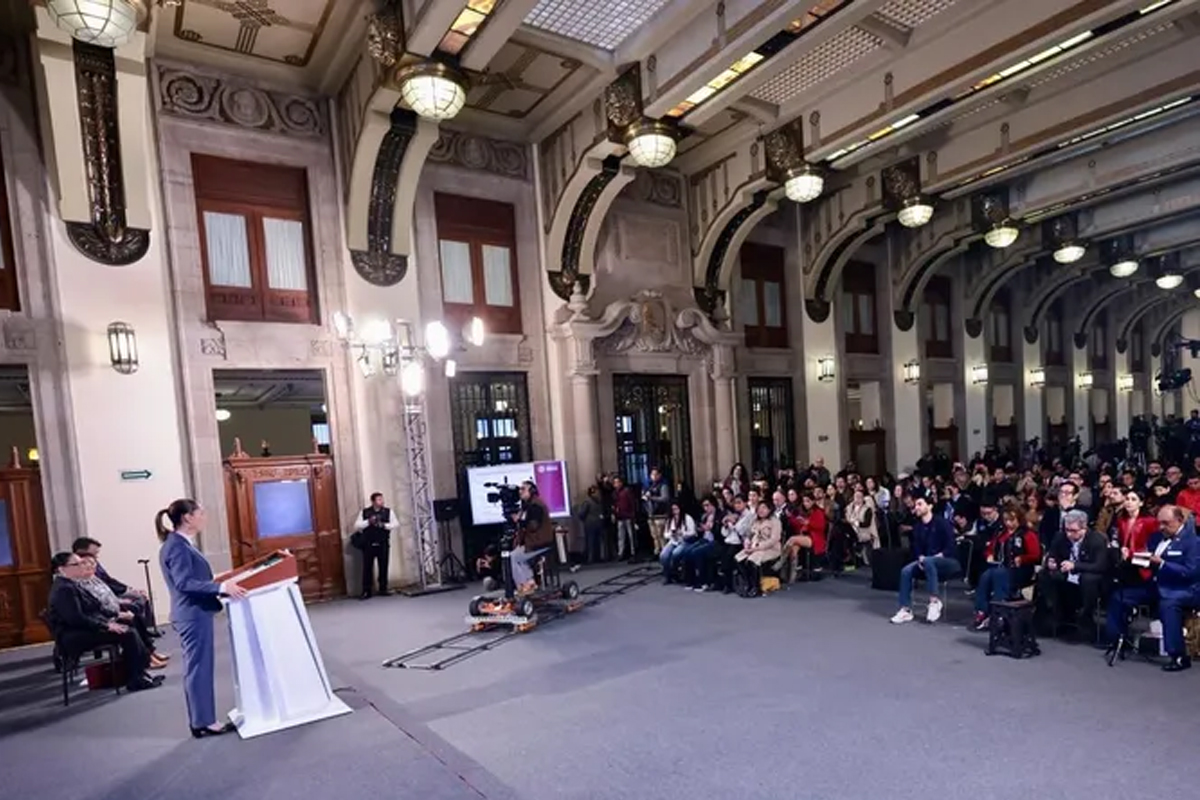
point(1131, 533)
point(1011, 557)
point(807, 528)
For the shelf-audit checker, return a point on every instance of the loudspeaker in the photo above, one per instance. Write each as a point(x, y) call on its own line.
point(445, 510)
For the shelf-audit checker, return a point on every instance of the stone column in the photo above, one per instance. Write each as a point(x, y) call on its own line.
point(586, 431)
point(1034, 402)
point(823, 399)
point(975, 426)
point(908, 416)
point(721, 369)
point(1081, 400)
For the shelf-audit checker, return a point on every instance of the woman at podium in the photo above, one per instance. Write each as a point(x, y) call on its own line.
point(195, 600)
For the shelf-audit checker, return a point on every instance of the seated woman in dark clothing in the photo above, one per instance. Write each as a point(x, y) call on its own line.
point(1011, 557)
point(697, 554)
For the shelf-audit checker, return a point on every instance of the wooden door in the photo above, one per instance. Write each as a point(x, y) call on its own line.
point(868, 451)
point(287, 502)
point(24, 556)
point(946, 440)
point(1004, 438)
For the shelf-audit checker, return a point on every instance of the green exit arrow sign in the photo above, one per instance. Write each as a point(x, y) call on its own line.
point(135, 474)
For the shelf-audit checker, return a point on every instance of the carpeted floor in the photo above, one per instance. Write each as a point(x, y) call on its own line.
point(661, 693)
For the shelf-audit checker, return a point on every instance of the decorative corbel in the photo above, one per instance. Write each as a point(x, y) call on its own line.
point(377, 264)
point(107, 238)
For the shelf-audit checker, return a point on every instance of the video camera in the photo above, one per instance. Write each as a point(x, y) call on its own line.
point(507, 495)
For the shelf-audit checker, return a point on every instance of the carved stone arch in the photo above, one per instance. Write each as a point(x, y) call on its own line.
point(1165, 326)
point(711, 293)
point(388, 158)
point(827, 280)
point(745, 200)
point(1042, 296)
point(1094, 306)
point(1125, 328)
point(579, 214)
point(985, 287)
point(909, 290)
point(830, 236)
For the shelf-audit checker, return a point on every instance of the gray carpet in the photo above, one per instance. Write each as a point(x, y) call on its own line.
point(662, 693)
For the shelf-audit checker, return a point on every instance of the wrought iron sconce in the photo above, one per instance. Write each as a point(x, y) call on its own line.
point(1125, 383)
point(1037, 377)
point(122, 348)
point(912, 372)
point(825, 372)
point(979, 374)
point(1086, 381)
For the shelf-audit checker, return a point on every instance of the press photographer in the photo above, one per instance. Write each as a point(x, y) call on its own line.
point(372, 535)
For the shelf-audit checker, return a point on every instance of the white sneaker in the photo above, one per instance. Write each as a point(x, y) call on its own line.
point(902, 616)
point(934, 612)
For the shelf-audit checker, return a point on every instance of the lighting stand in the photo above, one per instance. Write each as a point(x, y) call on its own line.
point(424, 527)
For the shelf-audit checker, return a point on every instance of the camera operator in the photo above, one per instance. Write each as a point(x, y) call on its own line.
point(534, 535)
point(373, 531)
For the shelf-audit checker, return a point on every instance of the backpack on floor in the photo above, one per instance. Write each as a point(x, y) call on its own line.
point(885, 569)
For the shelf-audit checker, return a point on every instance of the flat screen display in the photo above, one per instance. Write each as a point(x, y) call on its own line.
point(282, 508)
point(550, 477)
point(6, 550)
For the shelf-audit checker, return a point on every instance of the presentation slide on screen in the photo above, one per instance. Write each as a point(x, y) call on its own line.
point(550, 477)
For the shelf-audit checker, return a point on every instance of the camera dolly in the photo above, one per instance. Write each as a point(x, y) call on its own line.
point(520, 610)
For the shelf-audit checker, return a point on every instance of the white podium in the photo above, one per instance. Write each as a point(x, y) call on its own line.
point(279, 677)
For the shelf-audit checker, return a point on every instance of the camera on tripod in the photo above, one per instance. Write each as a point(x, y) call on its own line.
point(507, 495)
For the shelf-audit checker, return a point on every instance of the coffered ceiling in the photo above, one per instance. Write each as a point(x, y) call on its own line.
point(602, 25)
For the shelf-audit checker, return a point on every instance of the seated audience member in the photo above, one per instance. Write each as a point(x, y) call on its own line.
point(1073, 577)
point(112, 608)
point(134, 599)
point(735, 529)
point(679, 529)
point(762, 545)
point(1011, 557)
point(1189, 497)
point(862, 516)
point(975, 541)
point(79, 623)
point(934, 545)
point(806, 532)
point(1174, 559)
point(697, 553)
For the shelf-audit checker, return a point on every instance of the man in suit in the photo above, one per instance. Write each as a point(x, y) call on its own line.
point(1175, 561)
point(134, 600)
point(374, 526)
point(80, 624)
point(1073, 575)
point(1051, 525)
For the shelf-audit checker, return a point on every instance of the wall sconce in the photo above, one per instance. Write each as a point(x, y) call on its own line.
point(223, 414)
point(1086, 380)
point(32, 455)
point(825, 369)
point(1124, 383)
point(122, 348)
point(979, 374)
point(912, 372)
point(1037, 377)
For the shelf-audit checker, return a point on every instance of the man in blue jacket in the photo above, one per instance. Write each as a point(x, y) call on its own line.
point(934, 546)
point(1175, 559)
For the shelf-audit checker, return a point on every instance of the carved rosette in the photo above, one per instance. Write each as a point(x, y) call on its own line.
point(817, 309)
point(480, 153)
point(107, 239)
point(623, 101)
point(378, 265)
point(216, 99)
point(784, 149)
point(904, 319)
point(974, 327)
point(385, 35)
point(657, 186)
point(1031, 334)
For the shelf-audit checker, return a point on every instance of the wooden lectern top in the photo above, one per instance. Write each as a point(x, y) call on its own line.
point(272, 568)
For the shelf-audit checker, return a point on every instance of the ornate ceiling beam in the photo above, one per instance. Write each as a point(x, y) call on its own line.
point(894, 38)
point(426, 29)
point(501, 24)
point(96, 102)
point(938, 65)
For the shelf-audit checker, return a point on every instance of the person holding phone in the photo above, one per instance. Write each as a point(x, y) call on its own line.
point(195, 601)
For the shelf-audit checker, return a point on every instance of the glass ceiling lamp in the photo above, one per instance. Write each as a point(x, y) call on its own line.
point(1069, 252)
point(804, 183)
point(915, 212)
point(1168, 280)
point(432, 89)
point(651, 143)
point(104, 23)
point(1002, 234)
point(1124, 268)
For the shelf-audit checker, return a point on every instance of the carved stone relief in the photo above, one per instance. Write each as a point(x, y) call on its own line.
point(650, 327)
point(218, 99)
point(481, 153)
point(657, 187)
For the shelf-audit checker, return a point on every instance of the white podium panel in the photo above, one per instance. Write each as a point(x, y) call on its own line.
point(279, 677)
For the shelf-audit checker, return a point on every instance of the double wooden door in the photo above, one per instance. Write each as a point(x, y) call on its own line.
point(288, 502)
point(24, 557)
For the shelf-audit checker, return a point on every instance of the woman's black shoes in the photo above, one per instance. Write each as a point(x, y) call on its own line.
point(1177, 664)
point(200, 733)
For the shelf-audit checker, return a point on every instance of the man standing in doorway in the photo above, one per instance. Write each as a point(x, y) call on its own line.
point(374, 527)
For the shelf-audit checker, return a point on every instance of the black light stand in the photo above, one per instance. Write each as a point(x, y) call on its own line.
point(452, 568)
